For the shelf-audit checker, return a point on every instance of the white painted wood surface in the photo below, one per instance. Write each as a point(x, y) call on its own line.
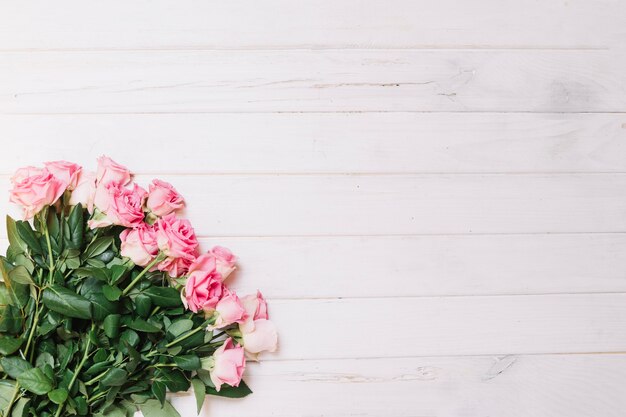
point(431, 194)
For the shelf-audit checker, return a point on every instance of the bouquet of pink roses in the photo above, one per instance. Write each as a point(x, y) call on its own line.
point(106, 302)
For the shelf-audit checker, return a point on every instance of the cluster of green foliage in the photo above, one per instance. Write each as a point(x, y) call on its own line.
point(85, 332)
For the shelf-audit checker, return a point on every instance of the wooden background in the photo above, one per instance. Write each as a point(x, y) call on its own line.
point(432, 194)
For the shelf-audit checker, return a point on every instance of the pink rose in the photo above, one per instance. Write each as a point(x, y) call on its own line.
point(122, 206)
point(110, 171)
point(225, 261)
point(256, 306)
point(219, 260)
point(261, 337)
point(229, 364)
point(85, 190)
point(163, 198)
point(66, 172)
point(229, 310)
point(177, 240)
point(35, 188)
point(204, 286)
point(139, 244)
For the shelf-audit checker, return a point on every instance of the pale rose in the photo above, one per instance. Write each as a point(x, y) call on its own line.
point(255, 306)
point(139, 244)
point(176, 237)
point(110, 171)
point(85, 190)
point(122, 206)
point(261, 337)
point(225, 261)
point(175, 267)
point(229, 310)
point(229, 364)
point(66, 172)
point(35, 188)
point(163, 198)
point(203, 290)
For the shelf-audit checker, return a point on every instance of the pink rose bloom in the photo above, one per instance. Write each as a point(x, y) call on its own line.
point(262, 337)
point(122, 206)
point(110, 171)
point(256, 306)
point(139, 244)
point(229, 310)
point(203, 290)
point(35, 188)
point(229, 364)
point(66, 172)
point(163, 199)
point(85, 190)
point(177, 240)
point(219, 260)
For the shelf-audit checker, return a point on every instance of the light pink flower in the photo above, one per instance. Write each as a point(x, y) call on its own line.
point(218, 260)
point(85, 190)
point(229, 365)
point(255, 306)
point(177, 240)
point(110, 171)
point(139, 244)
point(229, 310)
point(163, 198)
point(204, 286)
point(66, 172)
point(122, 206)
point(35, 188)
point(261, 337)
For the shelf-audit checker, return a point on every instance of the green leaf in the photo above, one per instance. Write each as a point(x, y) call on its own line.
point(112, 325)
point(44, 358)
point(11, 320)
point(152, 408)
point(230, 392)
point(21, 275)
point(111, 293)
point(188, 362)
point(14, 366)
point(164, 296)
point(158, 389)
point(19, 293)
point(114, 378)
point(67, 302)
point(14, 238)
point(142, 326)
point(6, 392)
point(143, 305)
point(27, 234)
point(76, 227)
point(92, 290)
point(98, 246)
point(174, 379)
point(35, 381)
point(21, 407)
point(58, 396)
point(8, 345)
point(179, 327)
point(199, 392)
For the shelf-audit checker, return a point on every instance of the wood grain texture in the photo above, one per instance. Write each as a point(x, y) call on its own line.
point(326, 142)
point(448, 326)
point(311, 24)
point(514, 386)
point(303, 81)
point(296, 205)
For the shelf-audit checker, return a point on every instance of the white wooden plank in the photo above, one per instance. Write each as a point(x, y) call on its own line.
point(449, 326)
point(288, 205)
point(265, 81)
point(325, 142)
point(513, 386)
point(318, 267)
point(310, 24)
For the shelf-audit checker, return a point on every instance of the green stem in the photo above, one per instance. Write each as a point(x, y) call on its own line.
point(141, 274)
point(50, 258)
point(185, 336)
point(34, 325)
point(76, 371)
point(13, 398)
